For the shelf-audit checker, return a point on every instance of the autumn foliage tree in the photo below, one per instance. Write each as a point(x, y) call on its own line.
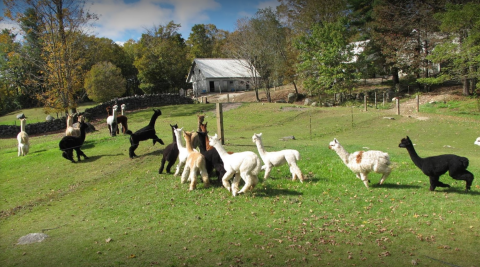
point(104, 82)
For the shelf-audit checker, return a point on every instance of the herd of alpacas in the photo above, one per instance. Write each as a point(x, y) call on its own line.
point(205, 155)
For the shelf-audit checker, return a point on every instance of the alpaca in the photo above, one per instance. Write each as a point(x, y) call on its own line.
point(195, 141)
point(477, 142)
point(212, 158)
point(112, 121)
point(147, 132)
point(122, 119)
point(435, 166)
point(182, 151)
point(364, 162)
point(170, 153)
point(70, 143)
point(278, 158)
point(195, 163)
point(23, 139)
point(71, 130)
point(245, 165)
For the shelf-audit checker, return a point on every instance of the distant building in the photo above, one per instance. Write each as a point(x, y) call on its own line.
point(221, 75)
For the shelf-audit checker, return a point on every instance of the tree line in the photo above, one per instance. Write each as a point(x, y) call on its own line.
point(54, 62)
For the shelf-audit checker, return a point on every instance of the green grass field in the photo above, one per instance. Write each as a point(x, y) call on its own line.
point(110, 210)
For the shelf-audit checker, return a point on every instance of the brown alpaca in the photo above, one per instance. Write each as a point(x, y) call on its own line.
point(195, 162)
point(195, 141)
point(203, 128)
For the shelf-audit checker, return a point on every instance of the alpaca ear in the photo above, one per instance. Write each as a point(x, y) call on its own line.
point(335, 140)
point(260, 135)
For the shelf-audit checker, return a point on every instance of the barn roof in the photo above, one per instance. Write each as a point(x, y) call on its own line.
point(221, 68)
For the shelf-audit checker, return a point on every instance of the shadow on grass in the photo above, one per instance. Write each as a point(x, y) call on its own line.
point(395, 186)
point(39, 151)
point(97, 157)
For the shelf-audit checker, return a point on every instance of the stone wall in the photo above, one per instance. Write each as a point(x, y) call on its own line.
point(132, 103)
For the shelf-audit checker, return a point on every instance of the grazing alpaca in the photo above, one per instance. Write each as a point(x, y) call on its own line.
point(212, 158)
point(147, 132)
point(364, 162)
point(477, 142)
point(170, 153)
point(195, 163)
point(23, 139)
point(70, 143)
point(71, 131)
point(278, 158)
point(435, 166)
point(112, 121)
point(245, 164)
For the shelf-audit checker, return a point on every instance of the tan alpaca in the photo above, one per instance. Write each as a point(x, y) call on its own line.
point(71, 131)
point(23, 139)
point(195, 162)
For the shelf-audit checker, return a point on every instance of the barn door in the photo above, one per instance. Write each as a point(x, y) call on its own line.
point(212, 86)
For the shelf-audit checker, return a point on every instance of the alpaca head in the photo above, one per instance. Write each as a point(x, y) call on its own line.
point(203, 127)
point(109, 110)
point(175, 126)
point(213, 140)
point(157, 112)
point(334, 144)
point(477, 142)
point(256, 137)
point(115, 107)
point(178, 131)
point(405, 142)
point(201, 118)
point(187, 134)
point(123, 106)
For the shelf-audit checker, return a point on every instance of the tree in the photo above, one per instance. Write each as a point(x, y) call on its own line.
point(11, 78)
point(205, 41)
point(161, 59)
point(104, 82)
point(60, 24)
point(325, 60)
point(261, 42)
point(458, 54)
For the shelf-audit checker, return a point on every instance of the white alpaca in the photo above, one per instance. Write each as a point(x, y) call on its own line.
point(278, 158)
point(182, 151)
point(246, 165)
point(22, 137)
point(364, 162)
point(71, 131)
point(112, 121)
point(477, 142)
point(123, 106)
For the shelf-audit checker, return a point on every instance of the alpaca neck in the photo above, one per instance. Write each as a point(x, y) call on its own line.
point(69, 121)
point(153, 120)
point(261, 149)
point(22, 125)
point(220, 149)
point(207, 143)
point(178, 139)
point(203, 143)
point(188, 142)
point(173, 135)
point(122, 112)
point(342, 153)
point(417, 160)
point(83, 126)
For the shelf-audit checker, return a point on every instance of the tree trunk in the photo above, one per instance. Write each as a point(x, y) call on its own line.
point(396, 79)
point(295, 86)
point(466, 86)
point(256, 95)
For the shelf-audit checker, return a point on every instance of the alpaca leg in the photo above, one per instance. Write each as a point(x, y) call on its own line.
point(434, 182)
point(204, 174)
point(160, 170)
point(193, 178)
point(248, 183)
point(185, 174)
point(179, 168)
point(226, 180)
point(169, 166)
point(296, 172)
point(385, 176)
point(80, 153)
point(268, 169)
point(364, 179)
point(19, 150)
point(236, 183)
point(156, 139)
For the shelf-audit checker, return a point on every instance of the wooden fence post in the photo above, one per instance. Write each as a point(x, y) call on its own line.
point(398, 105)
point(220, 122)
point(365, 101)
point(228, 98)
point(418, 103)
point(375, 99)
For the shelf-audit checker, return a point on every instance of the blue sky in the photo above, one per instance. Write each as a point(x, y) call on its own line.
point(121, 20)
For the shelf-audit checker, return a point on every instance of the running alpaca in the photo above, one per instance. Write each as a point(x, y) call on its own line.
point(112, 121)
point(71, 131)
point(364, 162)
point(212, 158)
point(278, 158)
point(147, 132)
point(70, 143)
point(436, 166)
point(195, 163)
point(170, 153)
point(245, 165)
point(23, 139)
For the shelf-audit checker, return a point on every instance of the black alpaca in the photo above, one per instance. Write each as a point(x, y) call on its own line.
point(147, 132)
point(70, 143)
point(435, 166)
point(212, 158)
point(170, 153)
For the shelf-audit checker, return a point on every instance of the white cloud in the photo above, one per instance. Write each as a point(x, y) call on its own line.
point(120, 21)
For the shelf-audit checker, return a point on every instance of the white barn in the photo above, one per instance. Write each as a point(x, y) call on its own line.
point(220, 75)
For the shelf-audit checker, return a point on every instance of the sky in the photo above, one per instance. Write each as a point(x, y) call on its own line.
point(121, 20)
